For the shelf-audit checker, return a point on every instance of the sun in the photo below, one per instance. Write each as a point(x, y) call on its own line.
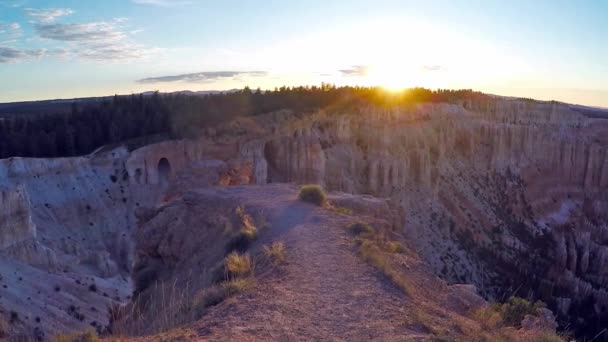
point(390, 77)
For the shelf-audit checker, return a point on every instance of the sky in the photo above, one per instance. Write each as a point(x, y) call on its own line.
point(549, 50)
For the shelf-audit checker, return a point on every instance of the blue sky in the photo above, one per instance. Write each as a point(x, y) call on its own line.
point(542, 49)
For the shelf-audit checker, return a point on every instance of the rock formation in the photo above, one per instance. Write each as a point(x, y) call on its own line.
point(505, 194)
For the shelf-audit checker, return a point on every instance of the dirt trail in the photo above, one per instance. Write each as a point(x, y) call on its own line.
point(324, 292)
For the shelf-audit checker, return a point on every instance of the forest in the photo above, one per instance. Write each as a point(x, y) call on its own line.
point(51, 129)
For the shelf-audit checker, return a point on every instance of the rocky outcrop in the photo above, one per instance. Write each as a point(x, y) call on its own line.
point(481, 187)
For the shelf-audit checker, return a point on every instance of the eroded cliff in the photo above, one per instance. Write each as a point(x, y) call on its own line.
point(506, 194)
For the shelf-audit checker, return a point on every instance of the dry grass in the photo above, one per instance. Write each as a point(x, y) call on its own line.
point(247, 233)
point(275, 253)
point(500, 322)
point(165, 305)
point(235, 286)
point(378, 251)
point(342, 210)
point(248, 227)
point(238, 265)
point(394, 247)
point(312, 193)
point(488, 318)
point(370, 252)
point(87, 336)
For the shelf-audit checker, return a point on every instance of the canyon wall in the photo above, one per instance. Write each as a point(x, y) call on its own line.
point(506, 194)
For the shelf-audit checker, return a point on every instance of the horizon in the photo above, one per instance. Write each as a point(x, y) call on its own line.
point(69, 49)
point(216, 91)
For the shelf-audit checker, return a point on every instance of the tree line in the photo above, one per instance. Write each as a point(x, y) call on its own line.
point(49, 131)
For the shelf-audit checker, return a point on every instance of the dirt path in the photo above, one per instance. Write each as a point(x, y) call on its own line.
point(324, 292)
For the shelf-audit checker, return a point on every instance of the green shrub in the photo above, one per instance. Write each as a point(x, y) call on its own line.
point(515, 309)
point(312, 194)
point(360, 228)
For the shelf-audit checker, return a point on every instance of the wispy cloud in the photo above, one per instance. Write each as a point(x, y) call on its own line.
point(161, 3)
point(356, 70)
point(206, 76)
point(99, 41)
point(8, 54)
point(9, 33)
point(47, 15)
point(104, 32)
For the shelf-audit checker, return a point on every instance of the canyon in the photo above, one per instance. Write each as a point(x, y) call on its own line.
point(506, 194)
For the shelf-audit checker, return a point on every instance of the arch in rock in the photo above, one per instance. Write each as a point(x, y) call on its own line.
point(164, 171)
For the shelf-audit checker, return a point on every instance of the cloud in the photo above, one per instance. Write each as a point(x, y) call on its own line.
point(206, 76)
point(95, 31)
point(47, 15)
point(161, 3)
point(10, 28)
point(8, 54)
point(9, 33)
point(355, 70)
point(98, 41)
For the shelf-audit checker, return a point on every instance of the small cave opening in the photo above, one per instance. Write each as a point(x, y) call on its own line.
point(164, 171)
point(270, 154)
point(138, 174)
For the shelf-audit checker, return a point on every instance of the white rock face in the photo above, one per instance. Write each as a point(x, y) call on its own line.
point(67, 225)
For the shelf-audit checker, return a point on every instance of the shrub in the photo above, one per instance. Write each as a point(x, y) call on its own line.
point(312, 194)
point(488, 317)
point(248, 232)
point(276, 252)
point(238, 285)
point(360, 228)
point(237, 265)
point(208, 297)
point(515, 309)
point(87, 336)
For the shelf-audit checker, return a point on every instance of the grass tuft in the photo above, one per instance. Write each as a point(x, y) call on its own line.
point(371, 253)
point(87, 336)
point(276, 253)
point(312, 193)
point(246, 235)
point(235, 286)
point(237, 265)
